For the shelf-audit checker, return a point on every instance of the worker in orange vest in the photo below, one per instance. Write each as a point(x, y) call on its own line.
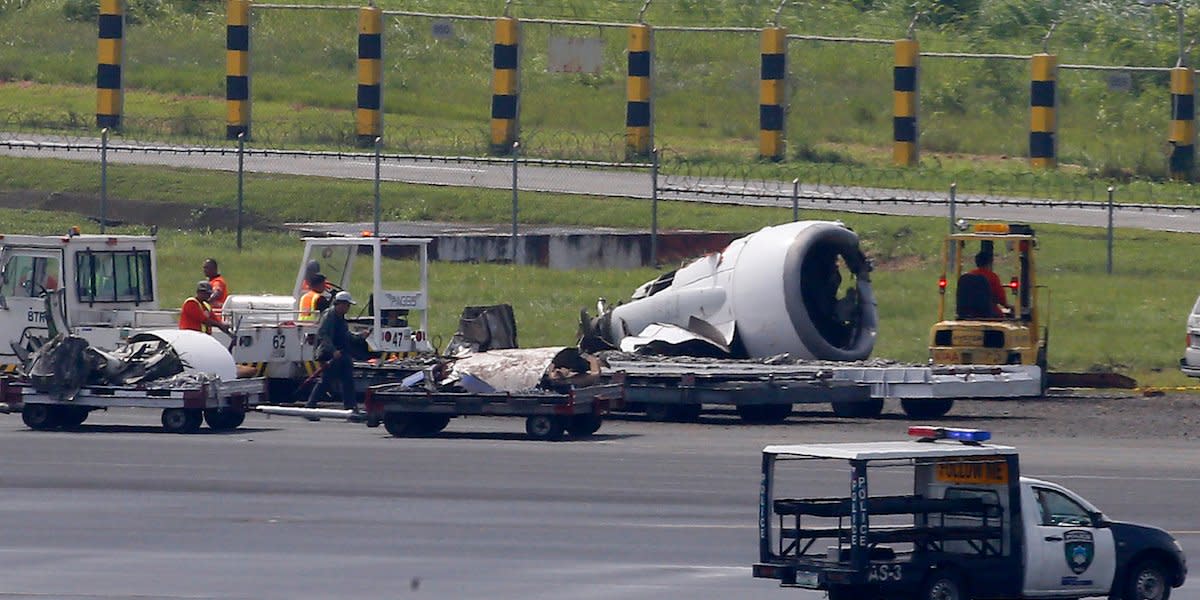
point(197, 315)
point(220, 289)
point(314, 300)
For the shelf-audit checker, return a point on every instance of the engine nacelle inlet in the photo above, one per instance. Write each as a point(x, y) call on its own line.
point(780, 289)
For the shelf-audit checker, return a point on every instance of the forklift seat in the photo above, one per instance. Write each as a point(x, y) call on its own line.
point(973, 297)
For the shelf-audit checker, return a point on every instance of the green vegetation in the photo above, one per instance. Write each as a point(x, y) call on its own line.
point(1131, 320)
point(974, 119)
point(974, 112)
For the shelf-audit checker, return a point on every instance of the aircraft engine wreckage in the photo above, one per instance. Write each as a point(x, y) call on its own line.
point(801, 288)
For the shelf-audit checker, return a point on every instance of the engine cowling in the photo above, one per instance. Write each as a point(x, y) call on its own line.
point(802, 288)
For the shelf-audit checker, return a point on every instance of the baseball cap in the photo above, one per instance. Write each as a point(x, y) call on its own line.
point(204, 286)
point(343, 296)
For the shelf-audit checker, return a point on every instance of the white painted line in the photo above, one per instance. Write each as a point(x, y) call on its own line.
point(421, 167)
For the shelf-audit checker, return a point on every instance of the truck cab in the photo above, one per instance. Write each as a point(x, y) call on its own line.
point(107, 279)
point(957, 520)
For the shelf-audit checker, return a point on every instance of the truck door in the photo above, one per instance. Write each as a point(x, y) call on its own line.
point(26, 276)
point(1066, 555)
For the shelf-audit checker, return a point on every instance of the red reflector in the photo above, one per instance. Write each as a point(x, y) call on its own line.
point(1014, 284)
point(942, 283)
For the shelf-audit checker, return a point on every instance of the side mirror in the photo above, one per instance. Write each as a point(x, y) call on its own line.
point(1099, 521)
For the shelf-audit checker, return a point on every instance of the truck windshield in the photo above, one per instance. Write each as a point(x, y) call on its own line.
point(114, 276)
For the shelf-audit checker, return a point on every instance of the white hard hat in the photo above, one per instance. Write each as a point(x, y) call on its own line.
point(343, 296)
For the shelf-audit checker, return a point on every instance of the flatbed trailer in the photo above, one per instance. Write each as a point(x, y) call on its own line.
point(548, 415)
point(677, 389)
point(222, 404)
point(408, 412)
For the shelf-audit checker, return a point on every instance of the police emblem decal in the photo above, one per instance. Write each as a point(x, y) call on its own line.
point(1079, 549)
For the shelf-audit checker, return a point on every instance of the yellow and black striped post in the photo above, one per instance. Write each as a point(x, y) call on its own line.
point(639, 107)
point(369, 117)
point(1183, 122)
point(110, 95)
point(237, 69)
point(904, 102)
point(1043, 141)
point(772, 93)
point(506, 85)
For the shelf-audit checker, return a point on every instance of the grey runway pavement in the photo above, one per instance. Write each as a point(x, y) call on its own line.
point(286, 508)
point(629, 183)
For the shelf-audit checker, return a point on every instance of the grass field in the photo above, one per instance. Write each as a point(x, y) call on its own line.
point(1131, 320)
point(974, 112)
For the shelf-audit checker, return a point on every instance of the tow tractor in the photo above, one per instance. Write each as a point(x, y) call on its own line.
point(981, 332)
point(966, 524)
point(273, 337)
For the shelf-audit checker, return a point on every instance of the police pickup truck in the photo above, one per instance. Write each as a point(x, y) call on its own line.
point(971, 527)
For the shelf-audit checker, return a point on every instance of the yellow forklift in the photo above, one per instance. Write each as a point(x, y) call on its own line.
point(993, 320)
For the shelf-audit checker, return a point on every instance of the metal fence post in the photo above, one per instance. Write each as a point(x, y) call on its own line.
point(241, 179)
point(516, 147)
point(1109, 264)
point(654, 207)
point(953, 225)
point(795, 199)
point(378, 160)
point(103, 179)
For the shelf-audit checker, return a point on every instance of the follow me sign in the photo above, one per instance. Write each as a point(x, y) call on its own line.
point(985, 473)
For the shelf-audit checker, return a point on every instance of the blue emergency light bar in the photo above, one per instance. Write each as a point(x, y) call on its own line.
point(926, 432)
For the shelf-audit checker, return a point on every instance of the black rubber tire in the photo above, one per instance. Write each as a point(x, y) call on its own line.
point(688, 413)
point(942, 584)
point(764, 414)
point(70, 417)
point(584, 425)
point(400, 424)
point(429, 424)
point(656, 411)
point(1147, 580)
point(858, 409)
point(182, 420)
point(546, 428)
point(224, 419)
point(926, 408)
point(40, 417)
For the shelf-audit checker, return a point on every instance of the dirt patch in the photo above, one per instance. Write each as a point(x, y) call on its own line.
point(899, 263)
point(124, 211)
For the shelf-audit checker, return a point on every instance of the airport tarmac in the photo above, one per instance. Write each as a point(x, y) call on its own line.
point(286, 508)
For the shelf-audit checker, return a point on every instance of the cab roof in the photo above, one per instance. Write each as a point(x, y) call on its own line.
point(898, 450)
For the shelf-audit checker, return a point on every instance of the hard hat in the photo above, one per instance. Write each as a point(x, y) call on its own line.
point(204, 286)
point(343, 296)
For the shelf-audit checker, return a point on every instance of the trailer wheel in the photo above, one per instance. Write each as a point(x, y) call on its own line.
point(399, 424)
point(584, 425)
point(764, 414)
point(688, 413)
point(428, 424)
point(182, 420)
point(40, 417)
point(224, 419)
point(545, 427)
point(942, 584)
point(657, 411)
point(71, 416)
point(926, 408)
point(1147, 581)
point(858, 409)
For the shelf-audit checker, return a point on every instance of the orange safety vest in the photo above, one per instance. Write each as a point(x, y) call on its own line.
point(193, 315)
point(308, 306)
point(220, 293)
